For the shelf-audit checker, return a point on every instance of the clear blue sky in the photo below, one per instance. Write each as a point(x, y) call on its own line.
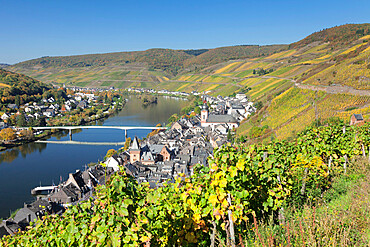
point(34, 28)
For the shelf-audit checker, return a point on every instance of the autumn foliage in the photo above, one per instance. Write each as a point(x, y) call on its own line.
point(7, 134)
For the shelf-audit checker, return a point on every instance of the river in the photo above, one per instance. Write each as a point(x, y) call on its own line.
point(27, 166)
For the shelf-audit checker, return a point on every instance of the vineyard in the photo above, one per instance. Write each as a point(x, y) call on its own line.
point(220, 203)
point(353, 72)
point(95, 76)
point(288, 105)
point(293, 110)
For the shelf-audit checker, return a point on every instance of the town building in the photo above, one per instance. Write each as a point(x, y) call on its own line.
point(356, 119)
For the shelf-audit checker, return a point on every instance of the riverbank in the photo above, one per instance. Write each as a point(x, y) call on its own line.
point(46, 133)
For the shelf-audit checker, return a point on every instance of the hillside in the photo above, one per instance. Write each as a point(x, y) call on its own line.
point(135, 69)
point(325, 75)
point(13, 84)
point(222, 54)
point(338, 36)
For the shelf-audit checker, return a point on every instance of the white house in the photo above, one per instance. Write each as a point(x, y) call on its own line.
point(4, 116)
point(240, 96)
point(113, 162)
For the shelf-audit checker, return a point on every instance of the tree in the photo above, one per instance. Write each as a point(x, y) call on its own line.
point(173, 118)
point(18, 100)
point(127, 144)
point(21, 120)
point(7, 134)
point(197, 110)
point(11, 120)
point(110, 153)
point(258, 105)
point(229, 135)
point(26, 133)
point(42, 122)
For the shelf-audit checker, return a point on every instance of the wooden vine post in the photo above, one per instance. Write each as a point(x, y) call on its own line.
point(231, 223)
point(303, 189)
point(213, 236)
point(363, 150)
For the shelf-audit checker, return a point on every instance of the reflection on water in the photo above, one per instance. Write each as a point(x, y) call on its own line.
point(25, 167)
point(10, 155)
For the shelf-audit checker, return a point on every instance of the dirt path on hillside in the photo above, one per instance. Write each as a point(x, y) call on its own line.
point(335, 89)
point(198, 82)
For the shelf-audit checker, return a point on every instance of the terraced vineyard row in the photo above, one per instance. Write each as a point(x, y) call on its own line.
point(354, 72)
point(290, 112)
point(288, 105)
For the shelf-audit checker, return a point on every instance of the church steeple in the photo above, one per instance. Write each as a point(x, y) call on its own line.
point(204, 113)
point(135, 145)
point(135, 151)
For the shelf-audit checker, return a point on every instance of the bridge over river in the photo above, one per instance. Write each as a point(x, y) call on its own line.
point(83, 143)
point(70, 128)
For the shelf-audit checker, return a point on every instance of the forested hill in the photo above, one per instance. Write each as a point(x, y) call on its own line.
point(13, 84)
point(167, 60)
point(338, 36)
point(223, 54)
point(164, 59)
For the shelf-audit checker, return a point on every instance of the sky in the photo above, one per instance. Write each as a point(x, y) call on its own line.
point(35, 28)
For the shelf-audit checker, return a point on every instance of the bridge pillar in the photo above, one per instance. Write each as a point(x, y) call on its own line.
point(70, 134)
point(125, 134)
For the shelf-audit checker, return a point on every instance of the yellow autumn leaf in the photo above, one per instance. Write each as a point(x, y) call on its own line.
point(225, 204)
point(196, 218)
point(184, 196)
point(213, 199)
point(214, 183)
point(223, 182)
point(221, 195)
point(144, 239)
point(240, 165)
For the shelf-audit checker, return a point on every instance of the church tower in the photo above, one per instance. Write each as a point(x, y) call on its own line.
point(204, 113)
point(135, 151)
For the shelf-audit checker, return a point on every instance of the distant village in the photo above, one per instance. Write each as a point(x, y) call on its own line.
point(76, 106)
point(49, 108)
point(159, 158)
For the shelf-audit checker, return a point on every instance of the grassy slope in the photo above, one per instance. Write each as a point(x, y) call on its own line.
point(340, 218)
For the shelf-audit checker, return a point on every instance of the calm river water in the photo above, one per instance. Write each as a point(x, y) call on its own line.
point(30, 165)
